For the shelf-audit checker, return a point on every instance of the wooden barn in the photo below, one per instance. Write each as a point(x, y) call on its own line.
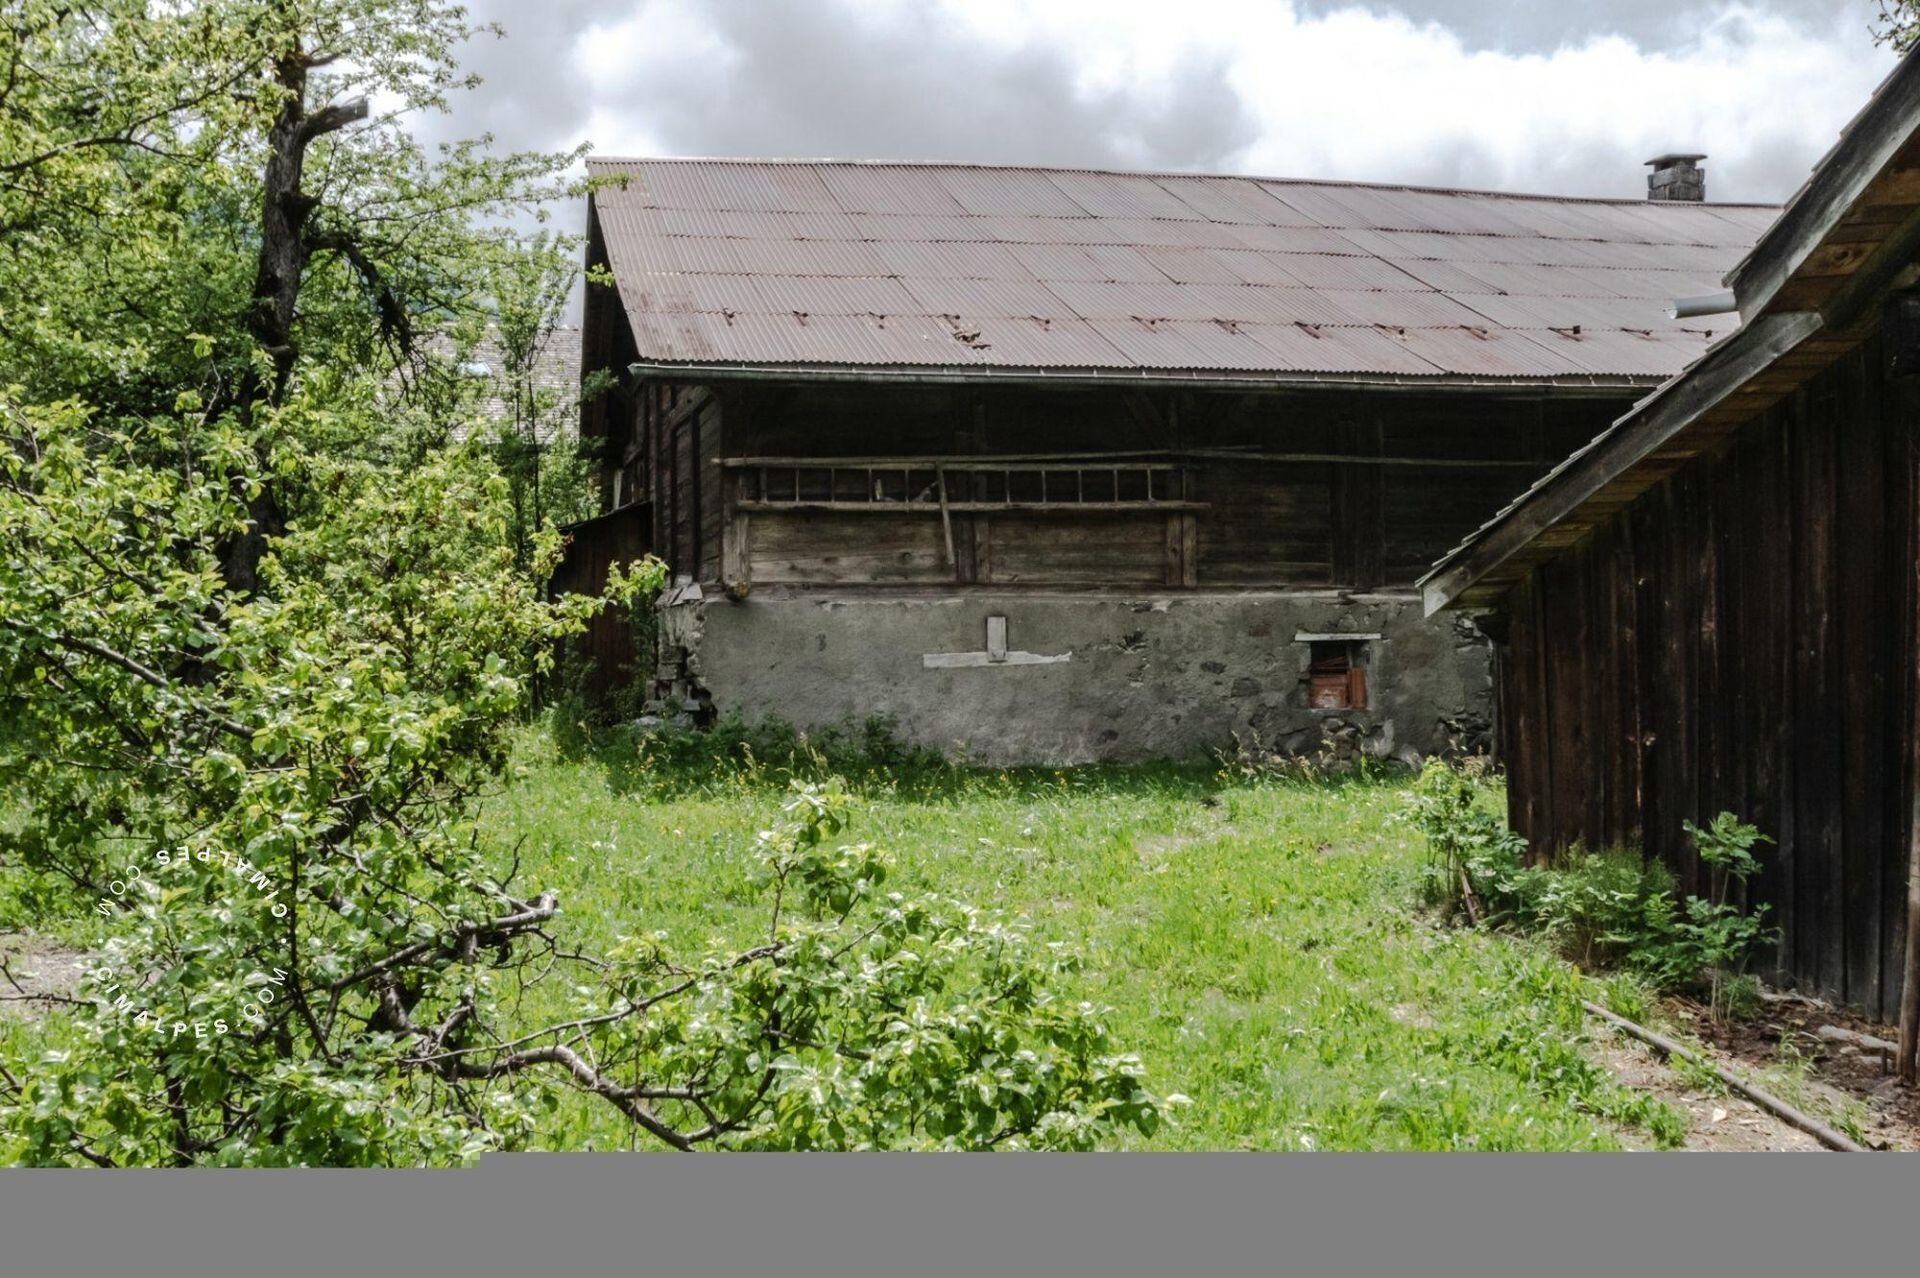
point(1712, 607)
point(1055, 465)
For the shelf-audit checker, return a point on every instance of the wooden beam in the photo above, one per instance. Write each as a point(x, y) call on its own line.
point(1866, 147)
point(934, 507)
point(946, 513)
point(1908, 1059)
point(978, 461)
point(964, 461)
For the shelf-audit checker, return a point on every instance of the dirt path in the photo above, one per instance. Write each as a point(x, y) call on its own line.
point(1825, 1075)
point(33, 969)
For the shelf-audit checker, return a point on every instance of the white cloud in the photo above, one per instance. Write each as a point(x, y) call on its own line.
point(1358, 93)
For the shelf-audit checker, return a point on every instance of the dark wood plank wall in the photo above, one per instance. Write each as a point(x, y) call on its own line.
point(1310, 522)
point(1739, 639)
point(612, 646)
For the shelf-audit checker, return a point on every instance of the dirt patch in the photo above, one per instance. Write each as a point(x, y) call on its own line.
point(1154, 849)
point(36, 973)
point(1722, 1124)
point(1787, 1034)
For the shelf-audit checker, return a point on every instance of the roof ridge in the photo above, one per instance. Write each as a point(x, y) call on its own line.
point(799, 161)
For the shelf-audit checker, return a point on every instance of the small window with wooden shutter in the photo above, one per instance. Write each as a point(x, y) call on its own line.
point(1337, 674)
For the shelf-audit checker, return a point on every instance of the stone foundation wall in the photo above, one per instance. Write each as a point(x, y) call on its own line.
point(1084, 677)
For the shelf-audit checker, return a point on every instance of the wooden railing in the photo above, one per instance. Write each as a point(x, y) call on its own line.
point(965, 493)
point(957, 485)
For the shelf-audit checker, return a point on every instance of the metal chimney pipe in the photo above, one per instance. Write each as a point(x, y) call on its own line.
point(1712, 304)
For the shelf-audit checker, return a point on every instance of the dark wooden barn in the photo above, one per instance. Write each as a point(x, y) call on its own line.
point(1054, 465)
point(1713, 606)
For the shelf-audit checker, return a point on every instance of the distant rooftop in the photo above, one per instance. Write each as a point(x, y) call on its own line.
point(972, 270)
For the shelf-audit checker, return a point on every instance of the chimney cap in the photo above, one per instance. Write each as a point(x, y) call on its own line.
point(1676, 157)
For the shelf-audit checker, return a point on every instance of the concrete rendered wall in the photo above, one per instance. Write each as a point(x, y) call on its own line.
point(1153, 676)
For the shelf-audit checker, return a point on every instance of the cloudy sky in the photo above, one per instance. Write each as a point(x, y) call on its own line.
point(1503, 94)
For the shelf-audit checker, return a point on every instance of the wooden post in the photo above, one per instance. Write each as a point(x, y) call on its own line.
point(946, 515)
point(1908, 1063)
point(736, 556)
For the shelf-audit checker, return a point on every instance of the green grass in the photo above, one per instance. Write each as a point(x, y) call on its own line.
point(1259, 939)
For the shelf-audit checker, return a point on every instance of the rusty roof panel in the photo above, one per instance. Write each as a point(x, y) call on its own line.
point(1489, 352)
point(859, 188)
point(1297, 239)
point(1165, 233)
point(982, 300)
point(1323, 271)
point(829, 264)
point(1232, 201)
point(1190, 265)
point(1083, 262)
point(1202, 302)
point(1402, 310)
point(951, 260)
point(1019, 192)
point(1121, 264)
point(1340, 349)
point(1123, 195)
point(1615, 351)
point(1251, 267)
point(1028, 342)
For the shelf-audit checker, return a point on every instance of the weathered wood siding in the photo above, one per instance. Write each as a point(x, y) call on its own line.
point(1740, 639)
point(1327, 489)
point(612, 646)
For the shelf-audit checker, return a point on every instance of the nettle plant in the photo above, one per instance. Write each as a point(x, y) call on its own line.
point(1714, 934)
point(1473, 853)
point(1602, 908)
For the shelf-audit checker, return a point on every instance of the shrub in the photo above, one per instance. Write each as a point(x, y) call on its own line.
point(1474, 854)
point(770, 750)
point(1602, 909)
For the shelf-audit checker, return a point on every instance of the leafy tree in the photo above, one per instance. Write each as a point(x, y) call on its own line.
point(551, 481)
point(266, 631)
point(1897, 24)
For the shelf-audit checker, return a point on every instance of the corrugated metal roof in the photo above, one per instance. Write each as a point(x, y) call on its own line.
point(826, 264)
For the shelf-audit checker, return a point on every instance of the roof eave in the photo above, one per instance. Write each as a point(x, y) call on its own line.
point(1890, 122)
point(1866, 145)
point(1589, 386)
point(1651, 425)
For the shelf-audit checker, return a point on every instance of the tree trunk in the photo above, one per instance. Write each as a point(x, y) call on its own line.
point(285, 250)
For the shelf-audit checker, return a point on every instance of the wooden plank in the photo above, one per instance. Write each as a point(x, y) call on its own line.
point(1542, 814)
point(830, 550)
point(1115, 460)
point(1904, 452)
point(1115, 550)
point(932, 509)
point(1673, 701)
point(1816, 819)
point(737, 574)
point(1650, 668)
point(1783, 456)
point(1629, 798)
point(1862, 623)
point(1709, 690)
point(1520, 709)
point(1900, 872)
